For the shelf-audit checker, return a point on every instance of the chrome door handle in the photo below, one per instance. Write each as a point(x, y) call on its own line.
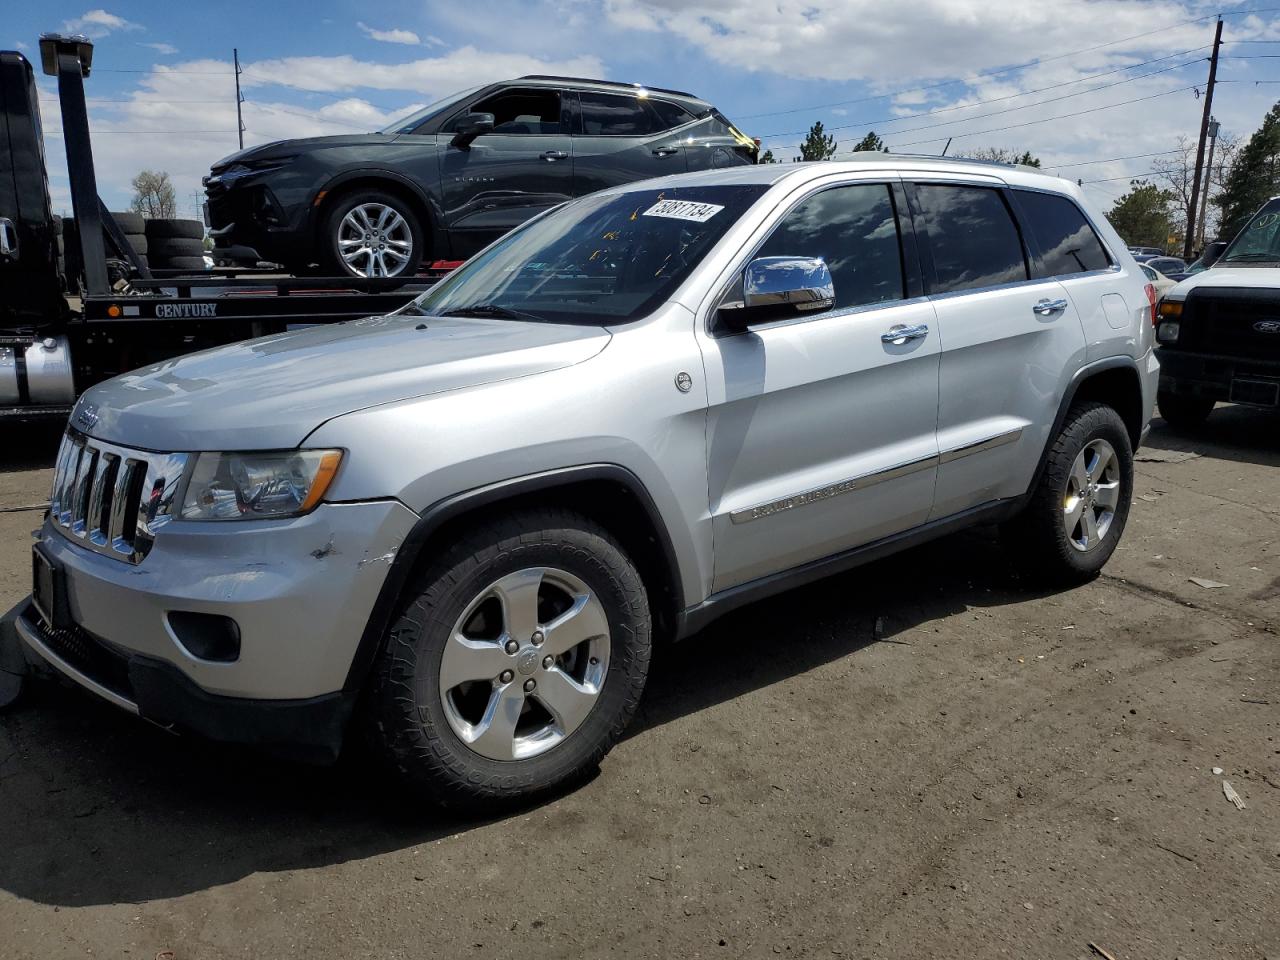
point(1047, 308)
point(555, 155)
point(666, 151)
point(899, 333)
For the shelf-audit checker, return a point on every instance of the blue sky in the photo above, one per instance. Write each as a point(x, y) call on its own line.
point(163, 93)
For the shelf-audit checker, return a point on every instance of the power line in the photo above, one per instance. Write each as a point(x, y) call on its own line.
point(996, 113)
point(126, 100)
point(1136, 156)
point(980, 75)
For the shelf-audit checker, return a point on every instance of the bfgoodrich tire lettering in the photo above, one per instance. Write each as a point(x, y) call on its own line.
point(1076, 514)
point(416, 728)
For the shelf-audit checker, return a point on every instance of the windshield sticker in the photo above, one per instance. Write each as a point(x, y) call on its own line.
point(684, 210)
point(1266, 220)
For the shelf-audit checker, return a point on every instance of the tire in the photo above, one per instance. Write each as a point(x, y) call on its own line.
point(406, 230)
point(158, 229)
point(1043, 537)
point(178, 263)
point(1183, 412)
point(419, 729)
point(139, 243)
point(130, 222)
point(176, 247)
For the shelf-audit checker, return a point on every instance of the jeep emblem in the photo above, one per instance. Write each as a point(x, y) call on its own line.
point(1267, 326)
point(87, 416)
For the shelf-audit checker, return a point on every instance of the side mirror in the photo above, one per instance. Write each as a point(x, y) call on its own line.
point(470, 127)
point(776, 287)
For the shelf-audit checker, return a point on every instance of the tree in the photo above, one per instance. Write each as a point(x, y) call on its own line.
point(1002, 155)
point(768, 157)
point(870, 142)
point(1175, 174)
point(817, 145)
point(1142, 216)
point(1252, 178)
point(153, 195)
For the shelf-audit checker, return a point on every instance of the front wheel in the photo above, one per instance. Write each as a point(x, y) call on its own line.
point(372, 233)
point(516, 663)
point(1073, 521)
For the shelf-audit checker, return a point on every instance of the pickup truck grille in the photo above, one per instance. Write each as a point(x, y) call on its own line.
point(1236, 323)
point(113, 499)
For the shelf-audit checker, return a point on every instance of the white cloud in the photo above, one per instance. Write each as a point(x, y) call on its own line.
point(164, 49)
point(98, 23)
point(434, 41)
point(394, 35)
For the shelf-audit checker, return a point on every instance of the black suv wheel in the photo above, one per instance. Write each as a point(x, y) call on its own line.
point(372, 233)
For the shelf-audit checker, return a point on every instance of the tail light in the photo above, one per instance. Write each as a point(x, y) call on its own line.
point(1151, 302)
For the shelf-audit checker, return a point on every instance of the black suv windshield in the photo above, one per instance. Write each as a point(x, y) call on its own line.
point(1259, 241)
point(419, 117)
point(602, 259)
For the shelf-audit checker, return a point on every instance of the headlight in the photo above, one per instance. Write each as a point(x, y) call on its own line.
point(1168, 331)
point(258, 486)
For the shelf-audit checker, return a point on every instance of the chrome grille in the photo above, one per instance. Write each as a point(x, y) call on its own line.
point(113, 499)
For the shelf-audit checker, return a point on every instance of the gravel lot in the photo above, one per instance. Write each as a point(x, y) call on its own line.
point(993, 772)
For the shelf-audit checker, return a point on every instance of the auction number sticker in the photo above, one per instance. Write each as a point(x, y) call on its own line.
point(684, 210)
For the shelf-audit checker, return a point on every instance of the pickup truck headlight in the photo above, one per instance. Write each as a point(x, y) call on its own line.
point(259, 485)
point(1168, 331)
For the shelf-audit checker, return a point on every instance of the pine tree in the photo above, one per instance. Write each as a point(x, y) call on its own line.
point(817, 145)
point(768, 157)
point(1254, 176)
point(870, 142)
point(1141, 216)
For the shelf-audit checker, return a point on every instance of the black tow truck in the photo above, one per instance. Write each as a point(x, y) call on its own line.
point(77, 303)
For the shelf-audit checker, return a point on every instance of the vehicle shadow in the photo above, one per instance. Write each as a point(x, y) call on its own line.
point(1232, 432)
point(102, 808)
point(30, 446)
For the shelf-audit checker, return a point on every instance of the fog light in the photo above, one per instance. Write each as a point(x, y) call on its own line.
point(1167, 332)
point(206, 636)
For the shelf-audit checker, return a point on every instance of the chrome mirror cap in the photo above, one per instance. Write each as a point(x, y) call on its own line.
point(803, 282)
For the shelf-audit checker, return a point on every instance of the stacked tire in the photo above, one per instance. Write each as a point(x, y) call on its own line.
point(133, 226)
point(175, 244)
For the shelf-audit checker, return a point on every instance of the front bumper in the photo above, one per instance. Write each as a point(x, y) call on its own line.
point(300, 591)
point(1212, 377)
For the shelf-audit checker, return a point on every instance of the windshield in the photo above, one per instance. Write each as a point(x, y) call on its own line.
point(415, 120)
point(1259, 241)
point(607, 258)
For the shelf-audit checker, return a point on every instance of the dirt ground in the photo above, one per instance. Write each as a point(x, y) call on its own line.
point(993, 772)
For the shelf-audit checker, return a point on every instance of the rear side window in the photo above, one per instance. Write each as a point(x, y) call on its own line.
point(1067, 242)
point(527, 112)
point(974, 240)
point(612, 115)
point(855, 231)
point(669, 114)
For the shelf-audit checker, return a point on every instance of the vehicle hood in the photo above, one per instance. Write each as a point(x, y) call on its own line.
point(271, 392)
point(1228, 277)
point(291, 148)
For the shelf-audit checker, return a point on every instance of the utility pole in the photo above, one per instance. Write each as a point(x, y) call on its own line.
point(235, 55)
point(1189, 240)
point(1214, 127)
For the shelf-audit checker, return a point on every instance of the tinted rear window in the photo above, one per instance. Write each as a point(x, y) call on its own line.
point(1067, 242)
point(611, 115)
point(973, 238)
point(669, 114)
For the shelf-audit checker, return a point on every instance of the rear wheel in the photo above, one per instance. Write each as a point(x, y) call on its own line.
point(372, 233)
point(516, 664)
point(1181, 411)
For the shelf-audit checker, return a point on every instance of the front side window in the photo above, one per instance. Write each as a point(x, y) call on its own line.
point(855, 231)
point(606, 258)
point(973, 238)
point(613, 115)
point(522, 112)
point(1067, 242)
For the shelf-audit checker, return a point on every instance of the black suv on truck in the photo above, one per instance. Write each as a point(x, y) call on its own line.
point(445, 182)
point(1219, 330)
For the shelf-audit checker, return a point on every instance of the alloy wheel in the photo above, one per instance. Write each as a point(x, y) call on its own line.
point(1092, 495)
point(374, 240)
point(525, 663)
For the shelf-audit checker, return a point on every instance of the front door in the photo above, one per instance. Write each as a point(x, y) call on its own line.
point(503, 178)
point(822, 428)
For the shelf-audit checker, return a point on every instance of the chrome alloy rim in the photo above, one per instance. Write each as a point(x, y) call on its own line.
point(525, 663)
point(1092, 495)
point(375, 241)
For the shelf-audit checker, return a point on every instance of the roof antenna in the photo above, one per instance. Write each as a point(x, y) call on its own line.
point(946, 148)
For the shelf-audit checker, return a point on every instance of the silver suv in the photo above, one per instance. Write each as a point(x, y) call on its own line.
point(462, 527)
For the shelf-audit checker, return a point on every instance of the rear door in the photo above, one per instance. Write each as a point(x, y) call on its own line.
point(1007, 336)
point(620, 138)
point(503, 178)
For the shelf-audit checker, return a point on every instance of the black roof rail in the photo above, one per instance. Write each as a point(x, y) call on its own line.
point(611, 83)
